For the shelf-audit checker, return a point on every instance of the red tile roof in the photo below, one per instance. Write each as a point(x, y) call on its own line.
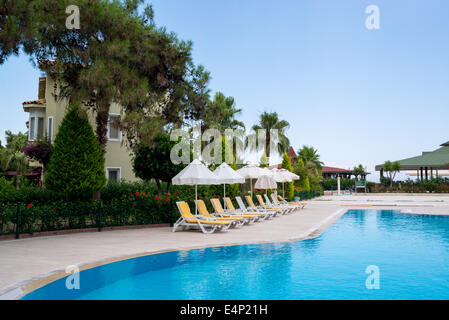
point(39, 101)
point(333, 169)
point(291, 152)
point(46, 63)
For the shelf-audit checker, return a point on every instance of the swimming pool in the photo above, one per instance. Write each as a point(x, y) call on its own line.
point(411, 253)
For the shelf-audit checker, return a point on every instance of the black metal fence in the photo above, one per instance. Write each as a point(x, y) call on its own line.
point(20, 218)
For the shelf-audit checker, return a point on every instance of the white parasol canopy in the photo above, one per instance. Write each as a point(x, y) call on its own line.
point(279, 176)
point(226, 175)
point(290, 175)
point(251, 171)
point(265, 182)
point(282, 176)
point(194, 174)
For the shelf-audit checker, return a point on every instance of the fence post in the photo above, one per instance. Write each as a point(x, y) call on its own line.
point(99, 215)
point(18, 221)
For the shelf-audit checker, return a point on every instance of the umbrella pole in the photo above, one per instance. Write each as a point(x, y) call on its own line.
point(196, 198)
point(224, 195)
point(251, 183)
point(283, 191)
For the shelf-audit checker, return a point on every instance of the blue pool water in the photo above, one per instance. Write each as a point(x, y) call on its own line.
point(411, 253)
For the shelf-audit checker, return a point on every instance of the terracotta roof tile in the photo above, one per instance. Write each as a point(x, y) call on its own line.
point(39, 101)
point(333, 169)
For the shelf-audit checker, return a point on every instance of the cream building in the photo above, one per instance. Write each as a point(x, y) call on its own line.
point(46, 114)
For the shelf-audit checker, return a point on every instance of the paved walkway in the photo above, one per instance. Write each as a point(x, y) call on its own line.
point(28, 263)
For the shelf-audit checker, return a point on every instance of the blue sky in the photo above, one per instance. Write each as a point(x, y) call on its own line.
point(357, 95)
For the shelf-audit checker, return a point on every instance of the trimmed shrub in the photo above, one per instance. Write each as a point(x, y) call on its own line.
point(76, 164)
point(287, 164)
point(303, 173)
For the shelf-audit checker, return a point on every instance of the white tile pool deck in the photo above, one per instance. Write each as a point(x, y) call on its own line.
point(27, 263)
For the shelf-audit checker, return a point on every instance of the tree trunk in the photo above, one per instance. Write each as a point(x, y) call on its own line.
point(101, 131)
point(159, 187)
point(267, 144)
point(96, 196)
point(101, 120)
point(168, 186)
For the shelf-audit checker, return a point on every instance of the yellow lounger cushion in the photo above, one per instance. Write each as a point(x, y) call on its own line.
point(251, 205)
point(210, 222)
point(231, 207)
point(185, 212)
point(291, 202)
point(203, 211)
point(263, 204)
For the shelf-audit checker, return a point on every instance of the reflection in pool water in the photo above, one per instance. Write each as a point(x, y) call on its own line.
point(411, 252)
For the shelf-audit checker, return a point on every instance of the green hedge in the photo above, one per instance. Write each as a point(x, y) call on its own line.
point(307, 195)
point(60, 215)
point(331, 184)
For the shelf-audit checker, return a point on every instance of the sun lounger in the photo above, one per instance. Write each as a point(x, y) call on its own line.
point(263, 205)
point(302, 204)
point(272, 211)
point(252, 215)
point(288, 207)
point(277, 202)
point(219, 209)
point(202, 209)
point(264, 213)
point(206, 225)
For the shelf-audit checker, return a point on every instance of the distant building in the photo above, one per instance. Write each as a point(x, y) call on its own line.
point(46, 114)
point(291, 153)
point(427, 165)
point(327, 172)
point(332, 172)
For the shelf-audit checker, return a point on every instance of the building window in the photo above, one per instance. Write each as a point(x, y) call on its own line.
point(113, 127)
point(40, 127)
point(113, 174)
point(32, 128)
point(50, 129)
point(36, 128)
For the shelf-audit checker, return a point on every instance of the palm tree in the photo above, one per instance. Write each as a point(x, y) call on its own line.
point(391, 168)
point(268, 122)
point(311, 158)
point(359, 171)
point(221, 114)
point(14, 160)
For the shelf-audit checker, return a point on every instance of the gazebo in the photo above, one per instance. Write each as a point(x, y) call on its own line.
point(332, 172)
point(426, 164)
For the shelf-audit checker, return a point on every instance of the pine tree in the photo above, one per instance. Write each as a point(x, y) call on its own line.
point(287, 164)
point(76, 164)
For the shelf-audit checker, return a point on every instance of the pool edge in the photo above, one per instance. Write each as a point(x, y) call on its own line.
point(21, 289)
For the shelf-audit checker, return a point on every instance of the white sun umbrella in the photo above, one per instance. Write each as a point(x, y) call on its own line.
point(266, 182)
point(251, 171)
point(290, 176)
point(280, 176)
point(226, 175)
point(194, 174)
